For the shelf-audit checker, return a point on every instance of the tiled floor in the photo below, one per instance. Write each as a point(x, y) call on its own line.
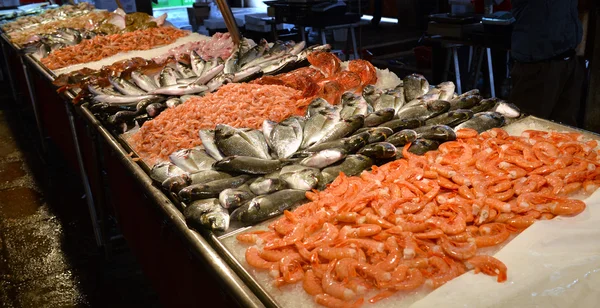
point(48, 256)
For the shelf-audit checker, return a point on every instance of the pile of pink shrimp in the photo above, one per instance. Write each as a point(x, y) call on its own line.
point(419, 221)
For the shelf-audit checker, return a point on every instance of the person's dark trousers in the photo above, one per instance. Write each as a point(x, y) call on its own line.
point(549, 89)
point(377, 12)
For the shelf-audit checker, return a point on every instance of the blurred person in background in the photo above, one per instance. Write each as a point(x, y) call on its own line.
point(547, 77)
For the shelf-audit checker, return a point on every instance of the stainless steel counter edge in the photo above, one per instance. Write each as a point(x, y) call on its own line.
point(201, 248)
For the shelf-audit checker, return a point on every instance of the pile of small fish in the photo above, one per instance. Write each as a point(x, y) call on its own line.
point(258, 174)
point(46, 43)
point(128, 102)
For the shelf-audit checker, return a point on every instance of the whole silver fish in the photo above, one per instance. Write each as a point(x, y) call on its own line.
point(349, 144)
point(376, 134)
point(183, 160)
point(235, 142)
point(123, 99)
point(206, 176)
point(162, 171)
point(173, 102)
point(506, 109)
point(483, 121)
point(218, 81)
point(319, 125)
point(179, 89)
point(246, 164)
point(351, 166)
point(372, 95)
point(217, 220)
point(343, 128)
point(424, 112)
point(415, 85)
point(211, 189)
point(305, 179)
point(264, 207)
point(436, 132)
point(259, 141)
point(167, 77)
point(317, 105)
point(379, 150)
point(355, 105)
point(485, 105)
point(196, 209)
point(197, 63)
point(247, 74)
point(184, 70)
point(176, 183)
point(323, 158)
point(446, 90)
point(277, 66)
point(125, 87)
point(286, 137)
point(263, 186)
point(379, 117)
point(451, 118)
point(232, 198)
point(208, 141)
point(144, 82)
point(465, 102)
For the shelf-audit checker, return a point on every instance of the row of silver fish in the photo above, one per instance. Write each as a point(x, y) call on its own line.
point(132, 101)
point(246, 176)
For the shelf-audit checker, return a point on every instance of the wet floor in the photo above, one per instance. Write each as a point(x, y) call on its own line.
point(48, 256)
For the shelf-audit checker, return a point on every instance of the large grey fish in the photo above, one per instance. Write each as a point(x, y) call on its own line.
point(317, 105)
point(372, 95)
point(378, 150)
point(167, 77)
point(184, 70)
point(402, 137)
point(343, 128)
point(446, 90)
point(176, 183)
point(197, 63)
point(352, 165)
point(183, 160)
point(264, 207)
point(451, 118)
point(506, 109)
point(379, 117)
point(483, 121)
point(206, 176)
point(123, 99)
point(280, 65)
point(286, 137)
point(235, 142)
point(317, 126)
point(415, 85)
point(323, 158)
point(180, 89)
point(246, 164)
point(349, 144)
point(211, 189)
point(393, 98)
point(162, 171)
point(217, 220)
point(376, 134)
point(305, 179)
point(143, 81)
point(197, 209)
point(423, 112)
point(422, 146)
point(485, 105)
point(232, 198)
point(247, 74)
point(267, 129)
point(208, 141)
point(259, 141)
point(263, 186)
point(465, 102)
point(218, 81)
point(355, 105)
point(125, 87)
point(209, 74)
point(436, 132)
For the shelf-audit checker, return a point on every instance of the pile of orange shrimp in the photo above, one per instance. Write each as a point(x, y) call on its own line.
point(325, 78)
point(419, 221)
point(104, 46)
point(238, 105)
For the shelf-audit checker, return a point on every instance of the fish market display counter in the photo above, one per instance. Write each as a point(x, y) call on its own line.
point(188, 267)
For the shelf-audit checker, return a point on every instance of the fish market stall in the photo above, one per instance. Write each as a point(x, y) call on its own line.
point(289, 177)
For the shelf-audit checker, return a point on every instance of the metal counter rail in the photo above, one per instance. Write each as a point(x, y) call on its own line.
point(198, 245)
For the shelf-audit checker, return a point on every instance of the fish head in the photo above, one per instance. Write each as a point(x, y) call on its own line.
point(422, 146)
point(405, 136)
point(438, 106)
point(507, 109)
point(443, 132)
point(224, 131)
